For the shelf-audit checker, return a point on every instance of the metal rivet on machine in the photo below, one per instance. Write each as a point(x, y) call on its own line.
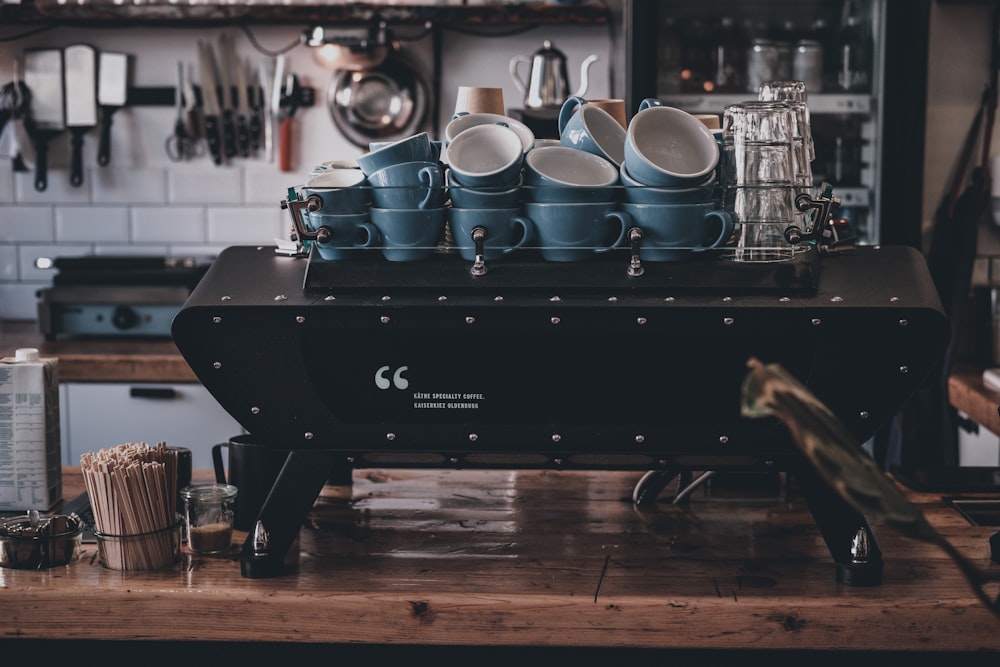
point(329, 297)
point(727, 320)
point(255, 410)
point(390, 436)
point(384, 319)
point(723, 439)
point(904, 369)
point(816, 321)
point(216, 320)
point(470, 320)
point(555, 320)
point(473, 437)
point(308, 435)
point(640, 320)
point(904, 323)
point(226, 298)
point(281, 297)
point(640, 438)
point(864, 414)
point(556, 437)
point(216, 365)
point(836, 299)
point(300, 319)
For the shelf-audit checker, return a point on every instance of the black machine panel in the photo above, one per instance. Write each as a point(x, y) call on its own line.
point(544, 364)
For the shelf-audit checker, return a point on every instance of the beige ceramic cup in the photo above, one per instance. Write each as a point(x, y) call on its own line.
point(614, 107)
point(477, 99)
point(710, 120)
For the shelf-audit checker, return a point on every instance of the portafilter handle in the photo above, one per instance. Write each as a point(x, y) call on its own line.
point(312, 203)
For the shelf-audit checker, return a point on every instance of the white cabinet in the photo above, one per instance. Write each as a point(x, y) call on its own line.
point(98, 415)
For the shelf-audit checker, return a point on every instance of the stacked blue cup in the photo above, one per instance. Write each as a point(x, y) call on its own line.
point(569, 196)
point(408, 196)
point(669, 176)
point(343, 199)
point(484, 182)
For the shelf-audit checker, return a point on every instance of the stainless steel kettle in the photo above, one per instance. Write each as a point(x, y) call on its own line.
point(548, 83)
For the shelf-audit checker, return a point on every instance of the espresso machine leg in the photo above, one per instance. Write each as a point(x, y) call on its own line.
point(845, 531)
point(291, 498)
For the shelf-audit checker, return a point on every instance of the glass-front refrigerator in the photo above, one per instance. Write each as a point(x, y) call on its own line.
point(864, 63)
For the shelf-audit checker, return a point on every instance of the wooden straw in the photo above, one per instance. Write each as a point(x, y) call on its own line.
point(133, 492)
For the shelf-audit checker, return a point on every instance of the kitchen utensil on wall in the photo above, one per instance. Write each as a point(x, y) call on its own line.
point(274, 100)
point(227, 63)
point(182, 144)
point(243, 112)
point(81, 102)
point(384, 103)
point(15, 103)
point(256, 108)
point(292, 90)
point(548, 81)
point(210, 102)
point(112, 89)
point(43, 74)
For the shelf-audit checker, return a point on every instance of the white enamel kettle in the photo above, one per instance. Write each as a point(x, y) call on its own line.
point(548, 83)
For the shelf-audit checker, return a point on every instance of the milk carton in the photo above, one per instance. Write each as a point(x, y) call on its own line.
point(30, 459)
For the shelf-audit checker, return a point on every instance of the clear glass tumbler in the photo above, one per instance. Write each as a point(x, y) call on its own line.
point(758, 136)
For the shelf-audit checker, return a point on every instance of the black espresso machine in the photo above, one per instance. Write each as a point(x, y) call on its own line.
point(602, 364)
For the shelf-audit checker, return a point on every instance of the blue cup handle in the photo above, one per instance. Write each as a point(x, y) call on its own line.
point(526, 226)
point(649, 102)
point(567, 109)
point(725, 227)
point(625, 220)
point(372, 235)
point(431, 178)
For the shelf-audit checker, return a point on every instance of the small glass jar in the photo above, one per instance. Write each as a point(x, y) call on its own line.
point(208, 514)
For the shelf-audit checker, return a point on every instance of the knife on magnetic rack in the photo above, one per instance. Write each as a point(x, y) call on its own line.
point(210, 102)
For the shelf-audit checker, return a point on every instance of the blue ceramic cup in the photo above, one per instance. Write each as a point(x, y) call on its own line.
point(340, 191)
point(561, 174)
point(572, 232)
point(408, 185)
point(409, 234)
point(350, 235)
point(466, 197)
point(463, 121)
point(675, 232)
point(505, 231)
point(486, 156)
point(592, 129)
point(640, 193)
point(668, 147)
point(415, 148)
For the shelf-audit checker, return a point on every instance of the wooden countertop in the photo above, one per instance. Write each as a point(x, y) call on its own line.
point(102, 359)
point(533, 558)
point(968, 393)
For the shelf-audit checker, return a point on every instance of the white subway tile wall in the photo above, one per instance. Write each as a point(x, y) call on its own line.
point(143, 203)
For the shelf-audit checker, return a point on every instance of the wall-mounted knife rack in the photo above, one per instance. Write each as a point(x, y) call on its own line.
point(166, 96)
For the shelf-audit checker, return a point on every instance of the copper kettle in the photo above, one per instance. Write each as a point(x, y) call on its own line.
point(548, 83)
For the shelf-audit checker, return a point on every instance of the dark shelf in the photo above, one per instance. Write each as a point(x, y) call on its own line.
point(342, 14)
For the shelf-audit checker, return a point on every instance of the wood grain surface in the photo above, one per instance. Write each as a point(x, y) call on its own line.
point(532, 558)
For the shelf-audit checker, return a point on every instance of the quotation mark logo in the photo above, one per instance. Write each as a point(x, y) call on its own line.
point(383, 382)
